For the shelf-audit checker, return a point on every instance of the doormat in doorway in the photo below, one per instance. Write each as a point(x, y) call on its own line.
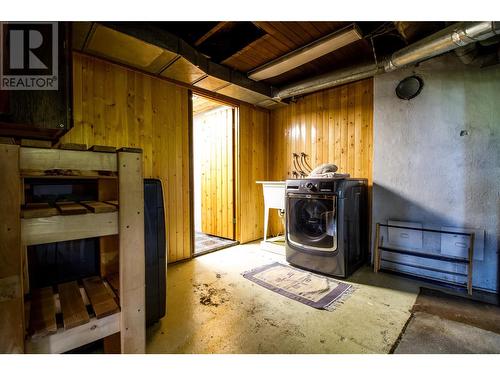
point(205, 243)
point(317, 291)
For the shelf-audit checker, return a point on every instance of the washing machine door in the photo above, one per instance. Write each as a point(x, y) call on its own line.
point(312, 222)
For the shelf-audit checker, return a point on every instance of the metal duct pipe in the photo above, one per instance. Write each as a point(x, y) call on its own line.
point(479, 54)
point(448, 39)
point(324, 81)
point(472, 56)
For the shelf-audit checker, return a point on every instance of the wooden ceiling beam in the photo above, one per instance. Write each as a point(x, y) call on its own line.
point(149, 33)
point(247, 48)
point(270, 28)
point(211, 32)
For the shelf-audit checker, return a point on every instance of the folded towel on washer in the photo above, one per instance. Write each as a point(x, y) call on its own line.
point(326, 170)
point(323, 175)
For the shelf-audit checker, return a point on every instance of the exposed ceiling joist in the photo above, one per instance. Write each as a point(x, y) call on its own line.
point(106, 42)
point(179, 62)
point(167, 50)
point(211, 32)
point(150, 34)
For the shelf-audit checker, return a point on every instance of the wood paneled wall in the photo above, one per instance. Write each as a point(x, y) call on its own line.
point(331, 126)
point(11, 256)
point(122, 107)
point(252, 158)
point(119, 107)
point(216, 160)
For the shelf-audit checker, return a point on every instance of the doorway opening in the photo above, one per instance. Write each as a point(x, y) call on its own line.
point(213, 143)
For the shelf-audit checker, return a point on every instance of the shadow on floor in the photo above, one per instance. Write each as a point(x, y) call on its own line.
point(407, 283)
point(445, 324)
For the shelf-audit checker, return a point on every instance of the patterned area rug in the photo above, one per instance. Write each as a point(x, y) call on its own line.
point(317, 291)
point(205, 243)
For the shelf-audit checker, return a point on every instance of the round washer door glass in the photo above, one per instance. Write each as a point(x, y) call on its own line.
point(311, 222)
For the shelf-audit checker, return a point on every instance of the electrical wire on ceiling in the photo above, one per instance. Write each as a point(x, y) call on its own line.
point(373, 50)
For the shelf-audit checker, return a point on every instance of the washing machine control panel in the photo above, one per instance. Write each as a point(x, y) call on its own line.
point(326, 186)
point(311, 186)
point(307, 186)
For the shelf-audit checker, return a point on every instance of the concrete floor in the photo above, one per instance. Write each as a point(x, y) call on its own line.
point(432, 334)
point(211, 308)
point(450, 324)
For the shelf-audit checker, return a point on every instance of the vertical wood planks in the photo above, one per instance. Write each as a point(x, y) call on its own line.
point(132, 258)
point(332, 126)
point(11, 298)
point(185, 119)
point(253, 153)
point(130, 109)
point(141, 111)
point(216, 128)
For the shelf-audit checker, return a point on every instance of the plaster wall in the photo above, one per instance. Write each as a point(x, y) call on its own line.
point(425, 171)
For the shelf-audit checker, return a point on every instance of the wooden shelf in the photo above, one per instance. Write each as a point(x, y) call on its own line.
point(33, 210)
point(114, 282)
point(38, 210)
point(65, 317)
point(72, 316)
point(49, 159)
point(37, 231)
point(30, 131)
point(65, 340)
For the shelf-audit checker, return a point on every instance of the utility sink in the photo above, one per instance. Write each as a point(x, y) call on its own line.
point(274, 197)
